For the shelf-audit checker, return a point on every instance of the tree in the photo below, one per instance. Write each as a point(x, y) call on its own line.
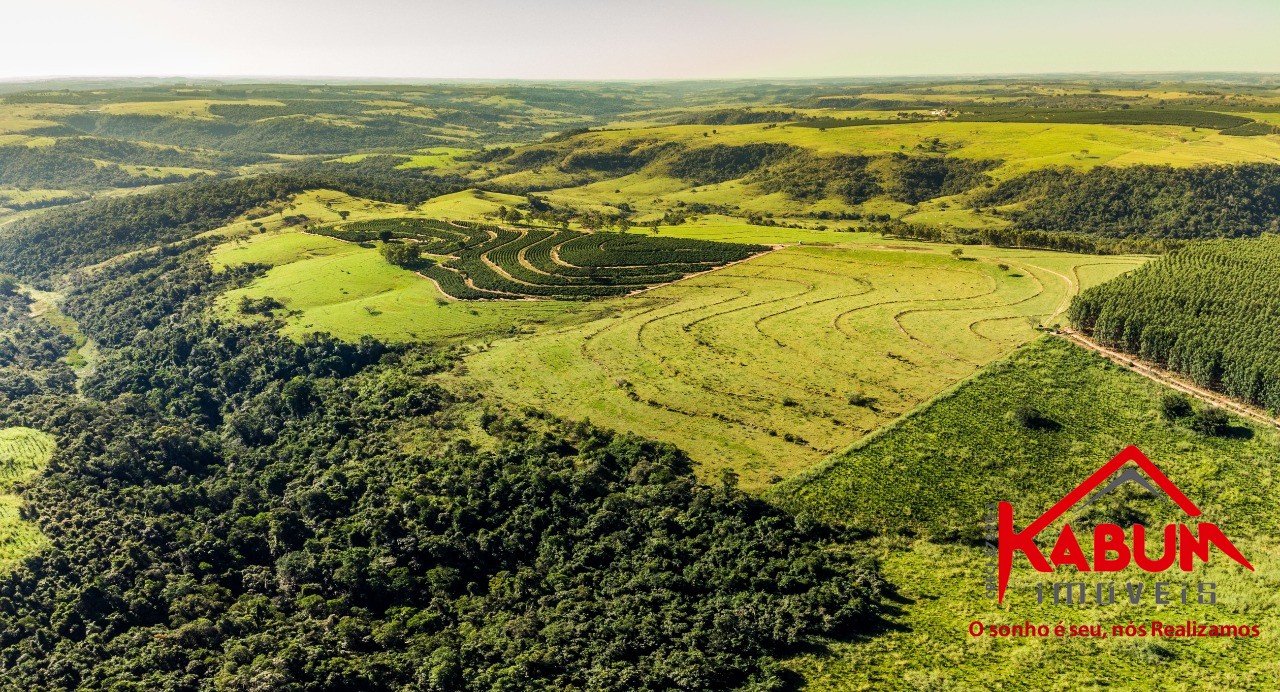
point(8, 285)
point(1210, 420)
point(401, 254)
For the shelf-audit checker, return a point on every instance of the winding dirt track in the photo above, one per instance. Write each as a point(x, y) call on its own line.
point(1156, 373)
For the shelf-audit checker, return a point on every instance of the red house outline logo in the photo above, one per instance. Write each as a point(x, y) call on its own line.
point(1192, 544)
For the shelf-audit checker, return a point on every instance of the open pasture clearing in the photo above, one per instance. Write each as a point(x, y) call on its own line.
point(930, 475)
point(437, 157)
point(727, 229)
point(20, 117)
point(328, 285)
point(767, 366)
point(23, 452)
point(181, 108)
point(1022, 146)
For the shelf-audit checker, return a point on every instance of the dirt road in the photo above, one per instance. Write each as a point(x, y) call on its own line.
point(1164, 377)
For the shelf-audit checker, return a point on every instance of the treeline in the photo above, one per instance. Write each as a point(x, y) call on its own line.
point(1016, 237)
point(740, 116)
point(121, 151)
point(229, 509)
point(856, 179)
point(1145, 201)
point(31, 350)
point(64, 239)
point(1210, 310)
point(794, 171)
point(48, 167)
point(1122, 115)
point(286, 135)
point(721, 162)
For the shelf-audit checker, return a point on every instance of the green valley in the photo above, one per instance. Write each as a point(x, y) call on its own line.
point(705, 385)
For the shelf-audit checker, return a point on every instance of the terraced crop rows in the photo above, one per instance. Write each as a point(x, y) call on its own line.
point(22, 453)
point(771, 364)
point(490, 263)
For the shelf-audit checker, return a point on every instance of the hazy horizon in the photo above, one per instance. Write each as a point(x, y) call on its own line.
point(652, 40)
point(375, 79)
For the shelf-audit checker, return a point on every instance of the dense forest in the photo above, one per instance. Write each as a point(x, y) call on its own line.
point(1146, 201)
point(55, 168)
point(1210, 310)
point(1018, 237)
point(856, 179)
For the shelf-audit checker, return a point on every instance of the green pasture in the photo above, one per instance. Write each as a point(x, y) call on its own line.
point(349, 291)
point(922, 483)
point(1022, 146)
point(768, 366)
point(180, 108)
point(23, 452)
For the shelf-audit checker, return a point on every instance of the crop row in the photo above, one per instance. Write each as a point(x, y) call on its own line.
point(540, 263)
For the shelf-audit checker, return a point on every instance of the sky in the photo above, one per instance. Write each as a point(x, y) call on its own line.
point(639, 39)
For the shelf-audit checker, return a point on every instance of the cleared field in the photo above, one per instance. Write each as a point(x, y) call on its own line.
point(1215, 148)
point(185, 108)
point(767, 366)
point(438, 157)
point(730, 230)
point(20, 117)
point(23, 452)
point(468, 204)
point(435, 157)
point(1022, 146)
point(923, 483)
point(328, 285)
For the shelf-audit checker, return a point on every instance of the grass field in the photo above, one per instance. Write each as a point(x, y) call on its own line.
point(925, 480)
point(23, 452)
point(188, 108)
point(349, 291)
point(1022, 146)
point(434, 157)
point(768, 366)
point(732, 230)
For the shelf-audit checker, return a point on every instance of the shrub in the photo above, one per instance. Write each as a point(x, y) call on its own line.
point(260, 306)
point(1032, 418)
point(1175, 406)
point(1210, 420)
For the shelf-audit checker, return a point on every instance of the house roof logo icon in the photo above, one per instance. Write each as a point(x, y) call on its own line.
point(1191, 545)
point(1130, 454)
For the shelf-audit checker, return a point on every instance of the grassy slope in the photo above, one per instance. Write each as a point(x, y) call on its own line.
point(350, 291)
point(1022, 146)
point(931, 474)
point(728, 364)
point(23, 452)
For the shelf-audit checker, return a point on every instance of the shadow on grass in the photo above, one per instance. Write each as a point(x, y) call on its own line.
point(1237, 432)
